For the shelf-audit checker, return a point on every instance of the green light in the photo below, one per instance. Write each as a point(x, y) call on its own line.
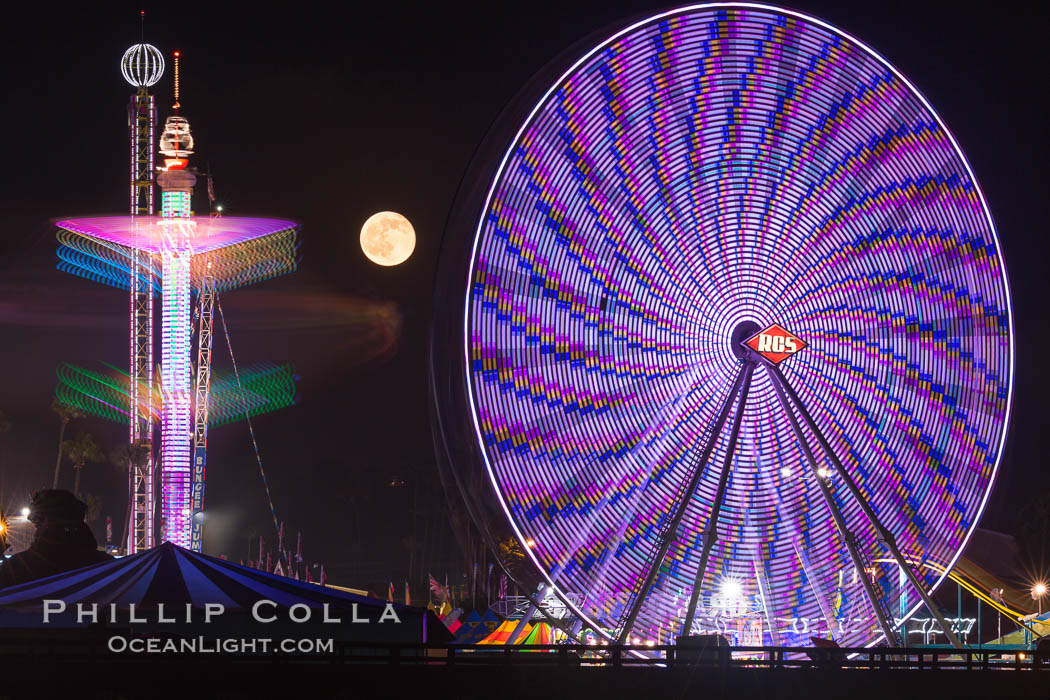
point(267, 387)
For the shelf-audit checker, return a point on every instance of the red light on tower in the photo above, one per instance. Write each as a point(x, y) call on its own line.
point(775, 343)
point(176, 105)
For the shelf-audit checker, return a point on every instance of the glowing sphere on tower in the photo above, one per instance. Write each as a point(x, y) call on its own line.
point(142, 65)
point(387, 238)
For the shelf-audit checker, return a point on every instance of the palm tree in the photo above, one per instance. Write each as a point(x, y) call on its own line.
point(66, 413)
point(81, 450)
point(94, 507)
point(130, 455)
point(511, 554)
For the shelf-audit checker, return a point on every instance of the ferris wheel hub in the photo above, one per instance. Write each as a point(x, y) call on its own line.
point(741, 332)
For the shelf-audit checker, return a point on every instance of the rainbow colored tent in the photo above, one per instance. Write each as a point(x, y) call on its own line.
point(502, 633)
point(473, 629)
point(490, 620)
point(541, 634)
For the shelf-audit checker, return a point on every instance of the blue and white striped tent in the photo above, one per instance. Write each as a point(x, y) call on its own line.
point(171, 582)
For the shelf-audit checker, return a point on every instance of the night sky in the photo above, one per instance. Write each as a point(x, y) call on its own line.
point(326, 115)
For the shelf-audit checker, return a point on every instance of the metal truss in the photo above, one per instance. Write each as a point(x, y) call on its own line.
point(141, 409)
point(711, 531)
point(847, 536)
point(886, 538)
point(142, 118)
point(516, 607)
point(206, 299)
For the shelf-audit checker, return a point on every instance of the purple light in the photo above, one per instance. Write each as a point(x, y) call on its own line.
point(176, 237)
point(176, 418)
point(155, 233)
point(175, 233)
point(707, 166)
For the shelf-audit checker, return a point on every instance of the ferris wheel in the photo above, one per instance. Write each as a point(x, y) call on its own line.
point(736, 332)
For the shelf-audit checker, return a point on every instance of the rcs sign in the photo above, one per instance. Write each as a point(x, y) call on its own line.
point(775, 343)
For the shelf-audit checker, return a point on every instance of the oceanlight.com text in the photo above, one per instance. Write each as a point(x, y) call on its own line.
point(201, 645)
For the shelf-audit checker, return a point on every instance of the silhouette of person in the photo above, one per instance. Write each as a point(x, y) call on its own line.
point(62, 542)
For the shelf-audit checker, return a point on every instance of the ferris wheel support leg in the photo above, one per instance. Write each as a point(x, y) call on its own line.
point(711, 533)
point(885, 535)
point(836, 515)
point(687, 495)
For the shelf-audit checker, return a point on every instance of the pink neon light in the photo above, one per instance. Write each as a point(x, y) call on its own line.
point(153, 233)
point(175, 384)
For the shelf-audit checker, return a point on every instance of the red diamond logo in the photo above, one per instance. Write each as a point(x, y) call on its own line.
point(775, 343)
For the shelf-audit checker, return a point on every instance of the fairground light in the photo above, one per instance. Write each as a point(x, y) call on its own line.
point(737, 334)
point(187, 260)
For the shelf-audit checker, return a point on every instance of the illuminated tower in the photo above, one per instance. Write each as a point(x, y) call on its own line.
point(176, 186)
point(142, 66)
point(185, 254)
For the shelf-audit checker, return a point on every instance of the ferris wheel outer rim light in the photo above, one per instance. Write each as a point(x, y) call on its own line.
point(985, 210)
point(958, 151)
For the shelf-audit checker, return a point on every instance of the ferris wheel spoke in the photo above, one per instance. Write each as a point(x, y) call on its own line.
point(887, 219)
point(586, 478)
point(845, 534)
point(964, 313)
point(791, 522)
point(600, 258)
point(914, 430)
point(765, 591)
point(710, 533)
point(524, 276)
point(671, 532)
point(885, 536)
point(818, 590)
point(857, 167)
point(884, 444)
point(626, 518)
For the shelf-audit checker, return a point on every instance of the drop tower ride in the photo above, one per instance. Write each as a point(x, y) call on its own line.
point(181, 256)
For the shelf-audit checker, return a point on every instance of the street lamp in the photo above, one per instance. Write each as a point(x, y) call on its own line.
point(731, 589)
point(1038, 591)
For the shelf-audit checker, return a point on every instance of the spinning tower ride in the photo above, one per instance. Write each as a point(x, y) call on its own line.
point(176, 255)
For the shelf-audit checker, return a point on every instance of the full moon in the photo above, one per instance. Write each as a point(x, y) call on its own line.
point(387, 238)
